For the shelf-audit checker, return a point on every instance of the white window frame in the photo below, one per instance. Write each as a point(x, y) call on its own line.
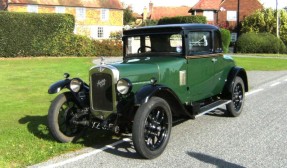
point(209, 15)
point(80, 13)
point(105, 14)
point(60, 9)
point(32, 8)
point(231, 16)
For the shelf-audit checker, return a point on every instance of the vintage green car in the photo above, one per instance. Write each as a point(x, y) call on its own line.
point(168, 72)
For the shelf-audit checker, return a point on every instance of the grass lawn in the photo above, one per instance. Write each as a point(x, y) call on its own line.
point(261, 64)
point(24, 102)
point(261, 55)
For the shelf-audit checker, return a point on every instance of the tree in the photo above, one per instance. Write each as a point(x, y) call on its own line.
point(263, 21)
point(128, 16)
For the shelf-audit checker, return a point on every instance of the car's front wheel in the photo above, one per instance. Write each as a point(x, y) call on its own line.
point(152, 127)
point(234, 108)
point(61, 111)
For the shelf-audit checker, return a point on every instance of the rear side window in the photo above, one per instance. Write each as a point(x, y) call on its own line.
point(199, 43)
point(217, 42)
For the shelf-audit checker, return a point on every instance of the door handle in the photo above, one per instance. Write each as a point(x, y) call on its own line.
point(214, 60)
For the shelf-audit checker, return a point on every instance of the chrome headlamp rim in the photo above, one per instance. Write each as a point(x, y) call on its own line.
point(76, 85)
point(124, 86)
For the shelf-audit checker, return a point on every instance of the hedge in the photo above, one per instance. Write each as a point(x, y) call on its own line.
point(182, 19)
point(226, 38)
point(30, 34)
point(24, 34)
point(259, 43)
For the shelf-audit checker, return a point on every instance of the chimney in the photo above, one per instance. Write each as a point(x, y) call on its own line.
point(3, 4)
point(150, 7)
point(145, 13)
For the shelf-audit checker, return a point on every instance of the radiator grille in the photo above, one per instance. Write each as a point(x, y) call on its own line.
point(102, 96)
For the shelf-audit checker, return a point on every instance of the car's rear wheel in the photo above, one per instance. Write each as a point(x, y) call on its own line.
point(152, 128)
point(234, 108)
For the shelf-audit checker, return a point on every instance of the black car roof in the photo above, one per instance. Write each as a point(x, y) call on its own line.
point(167, 28)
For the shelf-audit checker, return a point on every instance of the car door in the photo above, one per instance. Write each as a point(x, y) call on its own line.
point(200, 64)
point(221, 65)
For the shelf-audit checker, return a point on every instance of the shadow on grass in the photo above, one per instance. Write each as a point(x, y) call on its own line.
point(37, 125)
point(213, 160)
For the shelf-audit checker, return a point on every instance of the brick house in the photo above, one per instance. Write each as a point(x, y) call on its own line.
point(224, 12)
point(93, 18)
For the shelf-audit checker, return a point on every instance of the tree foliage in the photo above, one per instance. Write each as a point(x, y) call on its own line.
point(128, 16)
point(264, 21)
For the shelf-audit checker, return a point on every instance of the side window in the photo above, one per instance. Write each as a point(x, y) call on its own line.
point(217, 42)
point(199, 43)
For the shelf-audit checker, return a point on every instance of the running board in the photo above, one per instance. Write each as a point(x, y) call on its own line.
point(210, 107)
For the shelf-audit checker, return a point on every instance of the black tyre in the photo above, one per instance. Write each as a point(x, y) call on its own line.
point(234, 108)
point(152, 128)
point(62, 109)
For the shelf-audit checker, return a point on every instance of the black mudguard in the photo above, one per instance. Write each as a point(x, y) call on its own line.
point(235, 71)
point(58, 86)
point(81, 97)
point(148, 91)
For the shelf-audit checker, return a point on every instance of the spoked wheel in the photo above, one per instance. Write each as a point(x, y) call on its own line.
point(238, 96)
point(152, 128)
point(61, 111)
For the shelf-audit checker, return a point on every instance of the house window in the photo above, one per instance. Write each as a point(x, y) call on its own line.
point(32, 8)
point(231, 16)
point(100, 32)
point(233, 37)
point(104, 14)
point(60, 9)
point(209, 15)
point(81, 13)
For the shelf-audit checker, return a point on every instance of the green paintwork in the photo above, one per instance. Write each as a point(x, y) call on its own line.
point(207, 77)
point(165, 69)
point(202, 74)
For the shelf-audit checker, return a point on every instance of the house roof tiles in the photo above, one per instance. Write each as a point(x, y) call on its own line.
point(160, 12)
point(207, 5)
point(112, 4)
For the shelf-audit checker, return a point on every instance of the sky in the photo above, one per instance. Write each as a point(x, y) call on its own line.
point(138, 5)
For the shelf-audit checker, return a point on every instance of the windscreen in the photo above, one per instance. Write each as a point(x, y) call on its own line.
point(154, 45)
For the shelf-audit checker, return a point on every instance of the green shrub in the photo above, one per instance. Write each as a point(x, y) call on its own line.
point(30, 34)
point(117, 35)
point(182, 19)
point(108, 47)
point(259, 43)
point(226, 38)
